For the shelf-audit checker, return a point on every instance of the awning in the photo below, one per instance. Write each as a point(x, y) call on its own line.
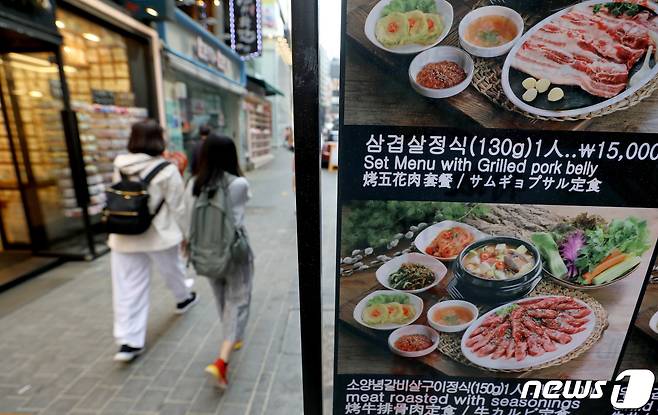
point(269, 88)
point(20, 35)
point(201, 72)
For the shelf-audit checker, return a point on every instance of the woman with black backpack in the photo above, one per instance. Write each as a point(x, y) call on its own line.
point(145, 216)
point(218, 246)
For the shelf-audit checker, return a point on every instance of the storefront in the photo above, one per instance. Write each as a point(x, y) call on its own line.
point(71, 81)
point(204, 85)
point(259, 121)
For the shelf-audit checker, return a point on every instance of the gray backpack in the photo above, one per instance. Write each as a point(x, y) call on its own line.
point(215, 240)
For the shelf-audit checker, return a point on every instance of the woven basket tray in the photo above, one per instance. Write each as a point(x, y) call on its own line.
point(487, 78)
point(450, 344)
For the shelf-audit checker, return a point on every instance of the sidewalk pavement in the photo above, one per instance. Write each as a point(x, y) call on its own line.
point(56, 342)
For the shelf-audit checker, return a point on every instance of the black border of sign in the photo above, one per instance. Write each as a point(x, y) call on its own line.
point(307, 167)
point(339, 201)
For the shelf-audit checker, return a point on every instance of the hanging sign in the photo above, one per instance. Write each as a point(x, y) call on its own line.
point(498, 218)
point(245, 25)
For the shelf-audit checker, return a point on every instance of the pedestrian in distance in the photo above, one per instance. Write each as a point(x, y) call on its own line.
point(145, 216)
point(218, 245)
point(204, 132)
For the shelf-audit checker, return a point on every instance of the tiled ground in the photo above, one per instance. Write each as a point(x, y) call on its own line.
point(56, 344)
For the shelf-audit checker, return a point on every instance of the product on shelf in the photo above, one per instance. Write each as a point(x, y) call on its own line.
point(104, 132)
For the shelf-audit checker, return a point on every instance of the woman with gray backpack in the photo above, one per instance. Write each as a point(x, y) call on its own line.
point(145, 217)
point(218, 247)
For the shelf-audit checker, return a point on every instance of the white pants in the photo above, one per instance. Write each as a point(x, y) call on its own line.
point(131, 280)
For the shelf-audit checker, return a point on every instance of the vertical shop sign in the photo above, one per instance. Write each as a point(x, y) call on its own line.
point(246, 30)
point(497, 210)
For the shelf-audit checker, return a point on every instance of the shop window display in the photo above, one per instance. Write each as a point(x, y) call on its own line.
point(99, 81)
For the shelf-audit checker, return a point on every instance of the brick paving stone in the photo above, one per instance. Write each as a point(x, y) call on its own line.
point(97, 398)
point(41, 398)
point(233, 410)
point(167, 378)
point(151, 400)
point(61, 406)
point(174, 409)
point(258, 402)
point(149, 368)
point(239, 392)
point(207, 400)
point(133, 388)
point(185, 390)
point(118, 406)
point(11, 403)
point(82, 386)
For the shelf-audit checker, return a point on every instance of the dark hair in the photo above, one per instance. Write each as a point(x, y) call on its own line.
point(147, 137)
point(204, 130)
point(218, 155)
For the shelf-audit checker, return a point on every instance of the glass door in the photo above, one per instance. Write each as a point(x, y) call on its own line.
point(37, 199)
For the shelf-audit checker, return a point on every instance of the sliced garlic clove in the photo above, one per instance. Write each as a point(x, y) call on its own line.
point(530, 95)
point(555, 94)
point(543, 85)
point(529, 83)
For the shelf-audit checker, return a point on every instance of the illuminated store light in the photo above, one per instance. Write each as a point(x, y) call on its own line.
point(216, 3)
point(28, 59)
point(36, 94)
point(60, 24)
point(91, 37)
point(152, 12)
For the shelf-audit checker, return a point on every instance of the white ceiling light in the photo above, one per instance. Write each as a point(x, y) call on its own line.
point(152, 11)
point(91, 37)
point(60, 24)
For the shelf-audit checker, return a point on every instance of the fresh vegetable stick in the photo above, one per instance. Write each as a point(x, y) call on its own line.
point(606, 264)
point(615, 252)
point(616, 271)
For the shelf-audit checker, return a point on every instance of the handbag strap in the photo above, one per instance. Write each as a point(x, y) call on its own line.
point(157, 169)
point(149, 177)
point(227, 196)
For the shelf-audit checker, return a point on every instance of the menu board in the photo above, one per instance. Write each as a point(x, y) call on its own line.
point(497, 208)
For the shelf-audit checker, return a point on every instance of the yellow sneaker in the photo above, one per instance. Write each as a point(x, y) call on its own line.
point(238, 345)
point(219, 373)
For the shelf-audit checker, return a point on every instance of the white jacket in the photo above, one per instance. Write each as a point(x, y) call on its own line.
point(167, 228)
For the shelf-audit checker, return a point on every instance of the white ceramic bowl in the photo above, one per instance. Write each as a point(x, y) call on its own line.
point(425, 238)
point(438, 54)
point(414, 300)
point(383, 273)
point(653, 323)
point(451, 303)
point(443, 8)
point(410, 330)
point(485, 52)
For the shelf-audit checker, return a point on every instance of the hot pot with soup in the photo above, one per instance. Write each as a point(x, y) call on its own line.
point(497, 269)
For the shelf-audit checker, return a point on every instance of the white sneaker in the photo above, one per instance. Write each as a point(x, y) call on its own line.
point(183, 306)
point(127, 354)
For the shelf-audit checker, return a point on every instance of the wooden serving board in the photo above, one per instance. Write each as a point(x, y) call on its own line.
point(470, 102)
point(648, 308)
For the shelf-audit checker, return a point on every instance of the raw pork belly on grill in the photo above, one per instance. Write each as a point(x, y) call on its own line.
point(594, 51)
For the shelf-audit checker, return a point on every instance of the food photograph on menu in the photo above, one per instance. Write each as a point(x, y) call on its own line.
point(481, 290)
point(553, 64)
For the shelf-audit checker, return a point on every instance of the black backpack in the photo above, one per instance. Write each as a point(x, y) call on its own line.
point(127, 204)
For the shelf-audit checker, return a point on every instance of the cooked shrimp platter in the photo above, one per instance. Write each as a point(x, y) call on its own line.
point(528, 333)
